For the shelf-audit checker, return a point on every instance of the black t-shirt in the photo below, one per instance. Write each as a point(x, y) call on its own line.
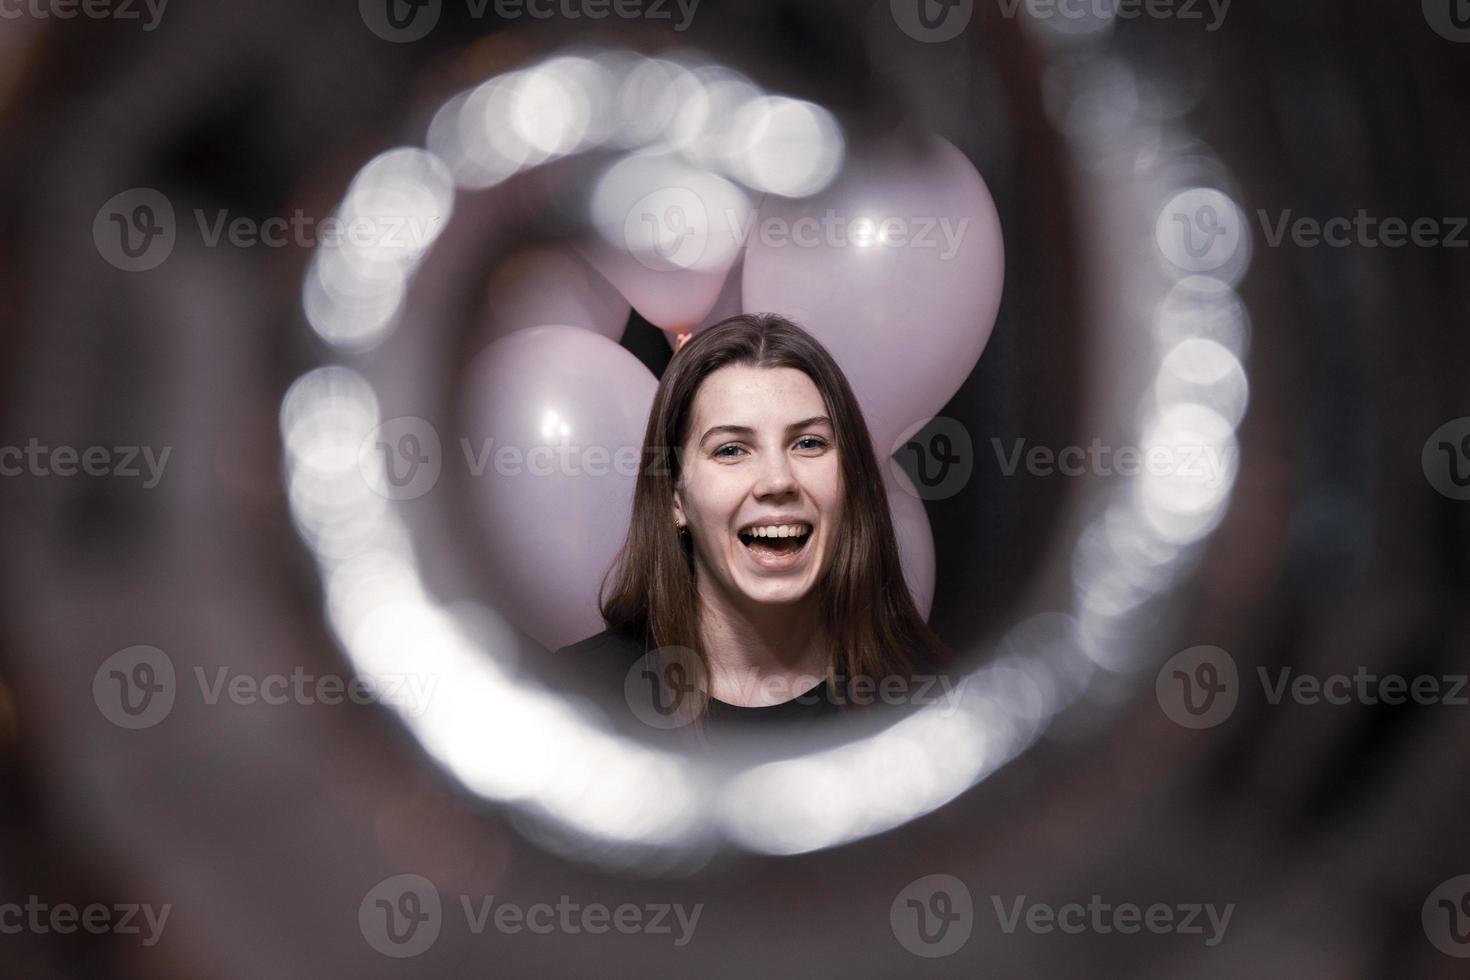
point(610, 656)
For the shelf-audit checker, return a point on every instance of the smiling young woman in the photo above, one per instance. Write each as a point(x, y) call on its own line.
point(761, 544)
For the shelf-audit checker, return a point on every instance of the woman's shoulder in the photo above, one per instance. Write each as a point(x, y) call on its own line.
point(604, 660)
point(620, 642)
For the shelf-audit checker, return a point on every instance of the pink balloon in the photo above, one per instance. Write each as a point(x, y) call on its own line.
point(553, 284)
point(672, 300)
point(727, 305)
point(915, 537)
point(566, 409)
point(666, 236)
point(897, 268)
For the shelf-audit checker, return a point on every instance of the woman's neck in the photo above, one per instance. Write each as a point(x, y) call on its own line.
point(763, 654)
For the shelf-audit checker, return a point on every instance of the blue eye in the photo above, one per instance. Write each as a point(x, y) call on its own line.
point(720, 453)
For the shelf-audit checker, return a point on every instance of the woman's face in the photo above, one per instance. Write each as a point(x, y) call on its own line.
point(760, 451)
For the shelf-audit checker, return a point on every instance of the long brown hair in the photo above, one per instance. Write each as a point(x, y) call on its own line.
point(867, 611)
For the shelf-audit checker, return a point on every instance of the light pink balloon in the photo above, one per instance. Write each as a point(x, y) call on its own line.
point(555, 517)
point(915, 537)
point(726, 306)
point(897, 268)
point(672, 300)
point(666, 236)
point(553, 284)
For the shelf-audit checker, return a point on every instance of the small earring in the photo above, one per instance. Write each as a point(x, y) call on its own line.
point(680, 527)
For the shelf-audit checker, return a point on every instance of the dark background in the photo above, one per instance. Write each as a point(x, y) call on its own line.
point(1327, 826)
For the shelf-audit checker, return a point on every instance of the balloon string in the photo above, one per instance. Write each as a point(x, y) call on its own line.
point(681, 340)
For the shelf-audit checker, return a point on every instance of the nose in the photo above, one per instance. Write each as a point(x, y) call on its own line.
point(777, 478)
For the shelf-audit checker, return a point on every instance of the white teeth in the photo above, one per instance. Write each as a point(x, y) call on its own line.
point(778, 531)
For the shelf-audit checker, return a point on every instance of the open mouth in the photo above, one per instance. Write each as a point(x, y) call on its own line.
point(776, 547)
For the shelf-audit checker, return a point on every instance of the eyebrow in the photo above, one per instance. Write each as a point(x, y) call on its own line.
point(745, 430)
